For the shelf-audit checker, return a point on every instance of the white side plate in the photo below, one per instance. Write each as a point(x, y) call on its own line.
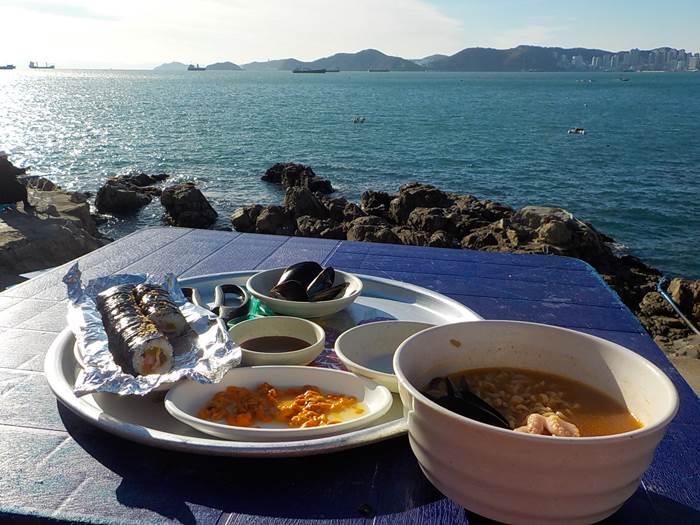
point(187, 398)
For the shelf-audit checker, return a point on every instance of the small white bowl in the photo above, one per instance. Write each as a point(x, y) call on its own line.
point(368, 350)
point(185, 400)
point(279, 326)
point(260, 284)
point(522, 478)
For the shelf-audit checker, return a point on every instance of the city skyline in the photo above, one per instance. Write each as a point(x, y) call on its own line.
point(136, 34)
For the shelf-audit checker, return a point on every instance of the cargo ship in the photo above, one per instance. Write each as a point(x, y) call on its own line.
point(36, 65)
point(192, 67)
point(303, 70)
point(8, 66)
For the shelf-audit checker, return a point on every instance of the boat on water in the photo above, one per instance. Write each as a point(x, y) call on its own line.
point(305, 70)
point(378, 70)
point(624, 79)
point(8, 66)
point(334, 70)
point(192, 67)
point(36, 65)
point(577, 131)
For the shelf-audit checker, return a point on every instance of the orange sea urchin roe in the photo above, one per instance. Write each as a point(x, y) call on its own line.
point(296, 407)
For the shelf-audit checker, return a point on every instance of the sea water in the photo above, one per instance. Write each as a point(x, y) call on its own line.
point(635, 174)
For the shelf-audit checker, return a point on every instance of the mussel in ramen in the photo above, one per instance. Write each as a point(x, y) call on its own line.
point(532, 402)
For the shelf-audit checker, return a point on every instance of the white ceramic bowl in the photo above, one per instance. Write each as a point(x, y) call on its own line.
point(279, 326)
point(260, 284)
point(185, 399)
point(523, 478)
point(368, 350)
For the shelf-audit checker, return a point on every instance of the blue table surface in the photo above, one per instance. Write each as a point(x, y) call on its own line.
point(54, 465)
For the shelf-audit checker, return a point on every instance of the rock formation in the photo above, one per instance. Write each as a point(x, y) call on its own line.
point(58, 230)
point(128, 193)
point(289, 174)
point(186, 206)
point(423, 215)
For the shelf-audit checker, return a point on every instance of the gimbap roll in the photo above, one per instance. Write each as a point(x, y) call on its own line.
point(156, 304)
point(136, 343)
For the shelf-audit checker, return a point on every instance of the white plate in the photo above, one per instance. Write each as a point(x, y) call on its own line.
point(187, 398)
point(145, 420)
point(368, 350)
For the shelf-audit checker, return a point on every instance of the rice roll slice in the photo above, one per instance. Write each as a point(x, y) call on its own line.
point(135, 342)
point(156, 304)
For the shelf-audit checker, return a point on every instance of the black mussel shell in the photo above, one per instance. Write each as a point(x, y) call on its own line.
point(454, 395)
point(303, 273)
point(329, 293)
point(290, 291)
point(323, 281)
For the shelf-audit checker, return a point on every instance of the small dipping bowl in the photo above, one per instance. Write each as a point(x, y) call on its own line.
point(368, 350)
point(302, 329)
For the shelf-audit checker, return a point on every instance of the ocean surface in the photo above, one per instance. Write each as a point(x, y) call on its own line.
point(635, 174)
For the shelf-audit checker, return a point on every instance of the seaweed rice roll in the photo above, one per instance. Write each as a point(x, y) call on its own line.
point(135, 341)
point(156, 304)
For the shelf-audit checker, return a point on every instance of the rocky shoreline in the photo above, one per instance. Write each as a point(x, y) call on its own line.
point(62, 228)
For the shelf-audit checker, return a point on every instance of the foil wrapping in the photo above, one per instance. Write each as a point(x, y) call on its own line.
point(204, 355)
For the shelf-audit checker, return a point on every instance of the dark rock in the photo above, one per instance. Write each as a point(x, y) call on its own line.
point(277, 171)
point(115, 197)
point(319, 185)
point(186, 206)
point(416, 195)
point(352, 211)
point(375, 202)
point(275, 220)
point(335, 207)
point(428, 219)
point(300, 201)
point(308, 226)
point(411, 237)
point(371, 229)
point(441, 239)
point(686, 294)
point(243, 219)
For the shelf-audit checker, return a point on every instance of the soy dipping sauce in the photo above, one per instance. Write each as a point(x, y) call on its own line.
point(274, 344)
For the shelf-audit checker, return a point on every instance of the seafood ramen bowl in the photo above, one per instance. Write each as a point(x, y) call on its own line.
point(582, 462)
point(284, 290)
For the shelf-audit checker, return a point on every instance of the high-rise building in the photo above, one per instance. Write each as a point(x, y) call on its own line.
point(693, 63)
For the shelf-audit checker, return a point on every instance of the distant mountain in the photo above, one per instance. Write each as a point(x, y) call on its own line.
point(364, 60)
point(223, 66)
point(284, 64)
point(171, 66)
point(425, 61)
point(521, 58)
point(361, 61)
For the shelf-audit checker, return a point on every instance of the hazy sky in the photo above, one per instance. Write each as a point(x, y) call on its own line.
point(144, 33)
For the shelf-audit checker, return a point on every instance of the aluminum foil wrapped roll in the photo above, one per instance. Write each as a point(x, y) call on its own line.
point(204, 353)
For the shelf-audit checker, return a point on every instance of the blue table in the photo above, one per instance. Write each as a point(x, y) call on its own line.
point(54, 465)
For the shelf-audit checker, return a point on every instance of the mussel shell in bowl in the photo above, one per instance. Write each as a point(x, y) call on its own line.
point(307, 281)
point(265, 284)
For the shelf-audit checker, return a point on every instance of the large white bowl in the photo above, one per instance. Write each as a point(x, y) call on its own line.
point(368, 349)
point(279, 326)
point(523, 478)
point(260, 284)
point(185, 400)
